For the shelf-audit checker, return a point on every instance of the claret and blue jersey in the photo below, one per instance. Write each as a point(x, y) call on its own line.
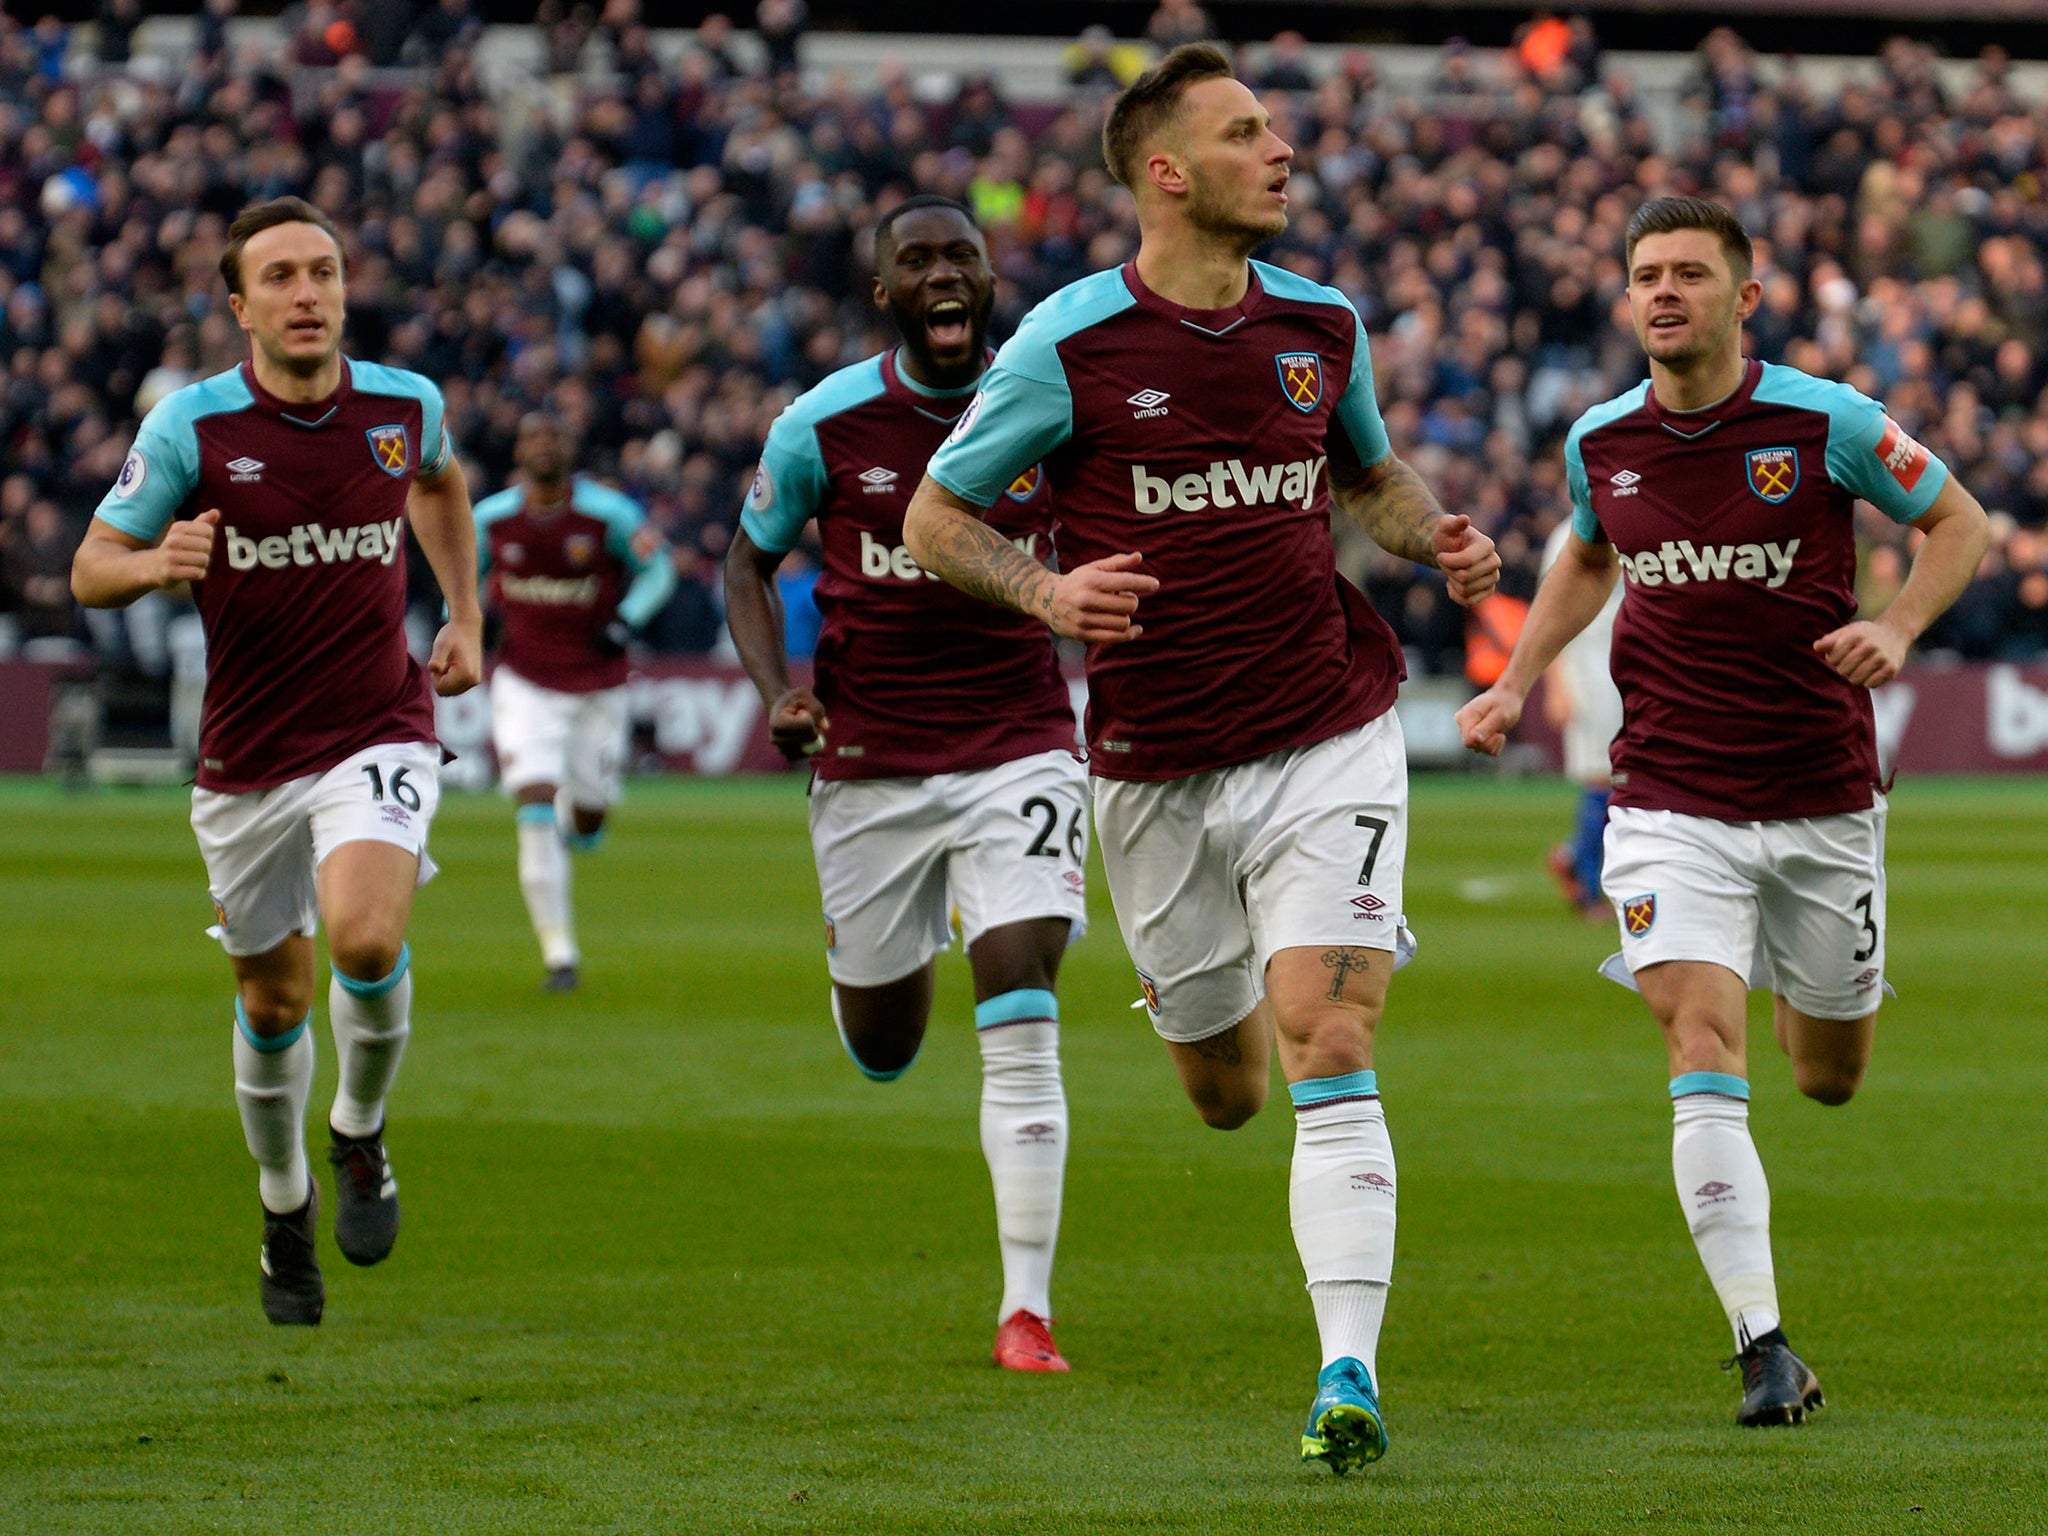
point(560, 575)
point(1202, 440)
point(1735, 532)
point(916, 678)
point(304, 598)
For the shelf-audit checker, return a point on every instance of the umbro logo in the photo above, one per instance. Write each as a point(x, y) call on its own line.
point(1376, 1183)
point(877, 480)
point(243, 470)
point(1624, 482)
point(1368, 905)
point(1149, 402)
point(1037, 1132)
point(1714, 1192)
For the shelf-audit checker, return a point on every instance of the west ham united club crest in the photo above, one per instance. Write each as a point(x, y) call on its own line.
point(388, 447)
point(580, 549)
point(1026, 485)
point(1301, 379)
point(1639, 915)
point(1774, 472)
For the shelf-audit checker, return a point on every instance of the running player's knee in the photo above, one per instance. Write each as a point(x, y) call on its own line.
point(364, 951)
point(1227, 1109)
point(1828, 1082)
point(275, 1007)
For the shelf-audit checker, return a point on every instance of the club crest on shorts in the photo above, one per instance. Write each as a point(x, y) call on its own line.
point(1301, 379)
point(831, 934)
point(1774, 473)
point(390, 449)
point(1151, 991)
point(1639, 914)
point(220, 912)
point(1026, 485)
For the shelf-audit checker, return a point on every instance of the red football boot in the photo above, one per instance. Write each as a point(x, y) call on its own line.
point(1024, 1343)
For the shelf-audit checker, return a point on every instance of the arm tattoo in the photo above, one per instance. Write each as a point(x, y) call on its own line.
point(1343, 964)
point(1390, 502)
point(968, 554)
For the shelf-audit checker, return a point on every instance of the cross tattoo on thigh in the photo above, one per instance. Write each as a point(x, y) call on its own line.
point(1343, 963)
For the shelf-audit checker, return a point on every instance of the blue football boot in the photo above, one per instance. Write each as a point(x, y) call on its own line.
point(1344, 1424)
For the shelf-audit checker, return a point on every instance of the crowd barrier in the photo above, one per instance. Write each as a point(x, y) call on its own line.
point(703, 717)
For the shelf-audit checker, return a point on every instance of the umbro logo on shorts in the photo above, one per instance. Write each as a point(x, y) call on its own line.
point(1368, 905)
point(1375, 1183)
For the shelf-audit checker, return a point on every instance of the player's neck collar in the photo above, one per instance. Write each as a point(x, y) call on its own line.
point(300, 413)
point(1700, 420)
point(895, 374)
point(1214, 322)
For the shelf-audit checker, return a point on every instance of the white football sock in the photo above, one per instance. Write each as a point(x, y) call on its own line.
point(272, 1080)
point(371, 1020)
point(1024, 1137)
point(544, 879)
point(1342, 1201)
point(1726, 1199)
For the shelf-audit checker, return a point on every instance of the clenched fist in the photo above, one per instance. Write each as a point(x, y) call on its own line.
point(186, 550)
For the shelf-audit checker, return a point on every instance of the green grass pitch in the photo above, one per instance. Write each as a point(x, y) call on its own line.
point(670, 1265)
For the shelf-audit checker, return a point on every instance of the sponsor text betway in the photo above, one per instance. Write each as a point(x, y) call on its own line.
point(1228, 483)
point(317, 544)
point(551, 591)
point(1680, 562)
point(881, 560)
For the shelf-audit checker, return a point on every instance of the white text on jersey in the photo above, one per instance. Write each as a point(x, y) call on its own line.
point(550, 591)
point(881, 560)
point(1260, 486)
point(1680, 563)
point(314, 544)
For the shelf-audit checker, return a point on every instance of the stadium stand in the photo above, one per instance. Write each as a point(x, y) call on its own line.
point(655, 234)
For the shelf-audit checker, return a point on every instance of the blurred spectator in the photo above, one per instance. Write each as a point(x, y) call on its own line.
point(781, 25)
point(1177, 22)
point(1286, 65)
point(37, 565)
point(1093, 60)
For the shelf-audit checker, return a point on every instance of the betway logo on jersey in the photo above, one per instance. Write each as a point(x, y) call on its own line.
point(316, 544)
point(551, 591)
point(1228, 483)
point(881, 560)
point(1680, 563)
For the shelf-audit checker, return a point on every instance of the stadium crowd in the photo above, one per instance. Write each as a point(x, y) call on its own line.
point(664, 248)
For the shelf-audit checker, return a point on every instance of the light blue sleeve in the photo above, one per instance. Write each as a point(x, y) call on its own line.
point(488, 511)
point(158, 475)
point(788, 487)
point(1869, 455)
point(635, 545)
point(1584, 523)
point(1358, 408)
point(1024, 411)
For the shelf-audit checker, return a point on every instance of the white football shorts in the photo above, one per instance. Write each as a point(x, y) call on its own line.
point(575, 741)
point(263, 850)
point(1215, 873)
point(897, 857)
point(1796, 907)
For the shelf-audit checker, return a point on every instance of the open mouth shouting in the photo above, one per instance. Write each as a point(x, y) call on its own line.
point(948, 326)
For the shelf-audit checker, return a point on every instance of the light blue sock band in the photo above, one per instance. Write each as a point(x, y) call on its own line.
point(584, 842)
point(369, 989)
point(869, 1072)
point(269, 1045)
point(535, 814)
point(1010, 1007)
point(1311, 1091)
point(1726, 1084)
